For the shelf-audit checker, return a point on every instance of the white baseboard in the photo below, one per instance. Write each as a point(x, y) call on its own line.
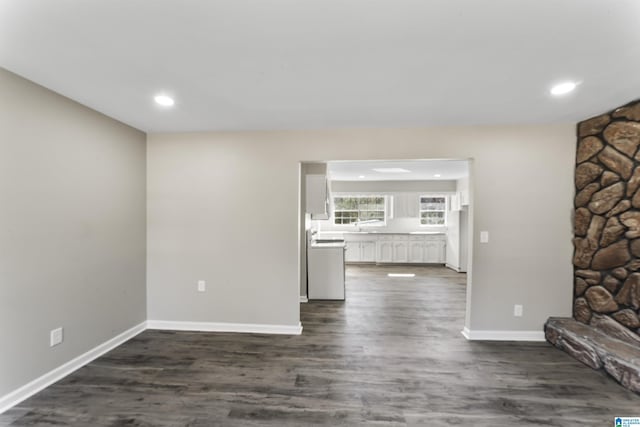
point(503, 335)
point(304, 299)
point(225, 327)
point(452, 267)
point(28, 390)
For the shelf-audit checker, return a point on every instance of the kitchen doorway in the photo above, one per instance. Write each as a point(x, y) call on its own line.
point(401, 217)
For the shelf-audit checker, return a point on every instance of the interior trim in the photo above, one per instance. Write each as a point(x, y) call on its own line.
point(15, 397)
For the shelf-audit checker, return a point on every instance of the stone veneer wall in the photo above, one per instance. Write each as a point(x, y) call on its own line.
point(607, 223)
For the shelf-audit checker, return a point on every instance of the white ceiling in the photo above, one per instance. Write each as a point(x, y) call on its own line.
point(310, 64)
point(419, 170)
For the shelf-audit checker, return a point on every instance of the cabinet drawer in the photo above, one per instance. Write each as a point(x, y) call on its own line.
point(436, 237)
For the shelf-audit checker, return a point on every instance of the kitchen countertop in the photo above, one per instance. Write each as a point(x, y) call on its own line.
point(382, 232)
point(327, 245)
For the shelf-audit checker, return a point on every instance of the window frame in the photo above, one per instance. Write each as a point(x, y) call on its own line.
point(444, 211)
point(385, 210)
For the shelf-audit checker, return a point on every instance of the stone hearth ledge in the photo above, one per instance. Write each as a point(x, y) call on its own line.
point(597, 350)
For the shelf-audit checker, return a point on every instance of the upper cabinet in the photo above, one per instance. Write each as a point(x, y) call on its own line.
point(455, 202)
point(317, 196)
point(458, 200)
point(464, 198)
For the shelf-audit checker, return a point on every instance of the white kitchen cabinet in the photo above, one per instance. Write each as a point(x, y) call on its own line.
point(464, 198)
point(434, 251)
point(399, 248)
point(352, 252)
point(368, 251)
point(360, 248)
point(360, 251)
point(400, 251)
point(317, 196)
point(416, 251)
point(455, 202)
point(326, 271)
point(384, 249)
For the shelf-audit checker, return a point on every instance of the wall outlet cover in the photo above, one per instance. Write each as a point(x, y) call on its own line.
point(484, 237)
point(202, 286)
point(55, 337)
point(517, 310)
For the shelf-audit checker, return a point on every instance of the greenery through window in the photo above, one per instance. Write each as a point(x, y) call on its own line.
point(359, 210)
point(433, 210)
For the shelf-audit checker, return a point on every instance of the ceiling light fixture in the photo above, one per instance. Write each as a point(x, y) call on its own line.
point(164, 100)
point(361, 176)
point(401, 275)
point(563, 88)
point(437, 175)
point(392, 170)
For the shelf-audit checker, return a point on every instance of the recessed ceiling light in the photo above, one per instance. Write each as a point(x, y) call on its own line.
point(164, 100)
point(392, 170)
point(361, 176)
point(437, 175)
point(401, 275)
point(563, 88)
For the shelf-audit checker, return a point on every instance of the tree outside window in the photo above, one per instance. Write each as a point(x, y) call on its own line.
point(355, 210)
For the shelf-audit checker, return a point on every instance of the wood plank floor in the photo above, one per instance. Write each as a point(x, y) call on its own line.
point(391, 355)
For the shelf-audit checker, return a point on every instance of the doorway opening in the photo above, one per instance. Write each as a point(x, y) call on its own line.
point(401, 222)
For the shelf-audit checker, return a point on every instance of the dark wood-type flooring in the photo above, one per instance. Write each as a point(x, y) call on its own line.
point(391, 355)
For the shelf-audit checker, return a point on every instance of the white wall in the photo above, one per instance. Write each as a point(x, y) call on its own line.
point(72, 229)
point(224, 207)
point(427, 186)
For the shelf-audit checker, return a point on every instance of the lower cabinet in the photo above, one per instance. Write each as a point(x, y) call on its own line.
point(395, 248)
point(352, 252)
point(385, 251)
point(416, 251)
point(360, 251)
point(401, 251)
point(434, 251)
point(368, 251)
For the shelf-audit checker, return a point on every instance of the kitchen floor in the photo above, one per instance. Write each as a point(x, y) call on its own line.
point(390, 355)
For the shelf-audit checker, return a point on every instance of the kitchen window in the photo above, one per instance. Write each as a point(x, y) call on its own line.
point(359, 210)
point(433, 210)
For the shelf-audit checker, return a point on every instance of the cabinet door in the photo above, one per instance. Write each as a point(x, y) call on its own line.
point(368, 251)
point(400, 251)
point(316, 194)
point(464, 198)
point(385, 251)
point(352, 254)
point(416, 251)
point(455, 202)
point(432, 251)
point(442, 252)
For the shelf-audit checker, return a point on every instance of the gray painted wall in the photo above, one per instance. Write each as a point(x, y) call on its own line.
point(224, 207)
point(72, 229)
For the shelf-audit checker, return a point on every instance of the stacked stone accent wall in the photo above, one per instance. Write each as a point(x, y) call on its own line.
point(607, 222)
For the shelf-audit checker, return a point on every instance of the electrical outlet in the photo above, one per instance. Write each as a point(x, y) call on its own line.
point(55, 337)
point(517, 310)
point(202, 286)
point(484, 237)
